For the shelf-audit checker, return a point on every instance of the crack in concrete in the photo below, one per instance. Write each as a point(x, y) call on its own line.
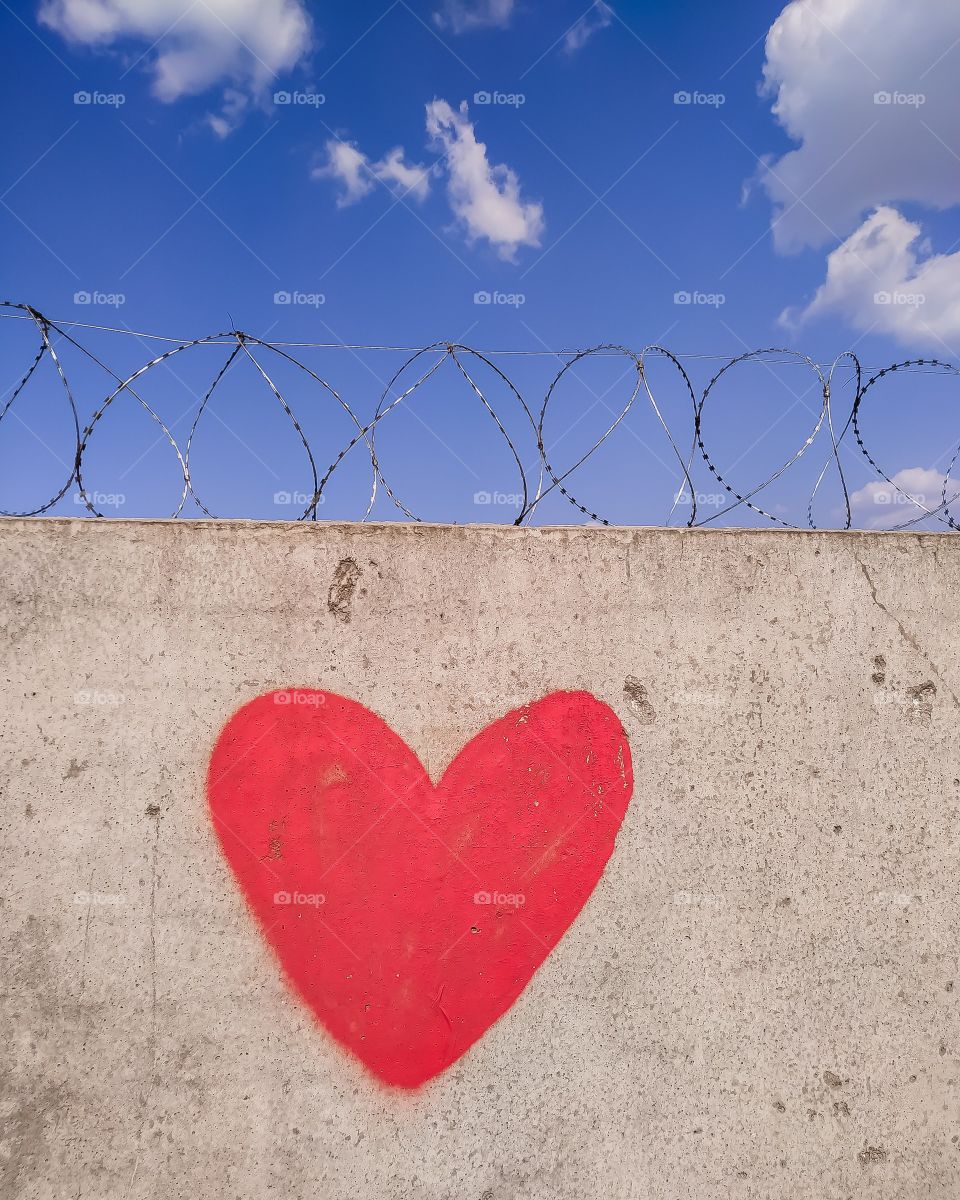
point(904, 632)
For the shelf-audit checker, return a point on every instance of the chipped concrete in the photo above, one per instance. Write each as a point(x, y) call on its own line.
point(638, 701)
point(344, 584)
point(758, 1000)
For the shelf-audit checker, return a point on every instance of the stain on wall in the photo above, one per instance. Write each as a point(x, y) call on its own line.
point(637, 700)
point(341, 590)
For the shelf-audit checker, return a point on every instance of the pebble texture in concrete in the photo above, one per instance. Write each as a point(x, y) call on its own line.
point(758, 1000)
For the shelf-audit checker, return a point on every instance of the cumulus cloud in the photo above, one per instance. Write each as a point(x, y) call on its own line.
point(357, 176)
point(593, 20)
point(191, 47)
point(856, 83)
point(881, 505)
point(485, 199)
point(461, 16)
point(883, 278)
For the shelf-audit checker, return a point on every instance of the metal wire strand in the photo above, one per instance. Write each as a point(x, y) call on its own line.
point(521, 430)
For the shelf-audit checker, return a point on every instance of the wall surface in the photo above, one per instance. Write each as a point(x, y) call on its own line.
point(758, 998)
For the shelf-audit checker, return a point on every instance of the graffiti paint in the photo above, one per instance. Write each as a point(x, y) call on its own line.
point(410, 916)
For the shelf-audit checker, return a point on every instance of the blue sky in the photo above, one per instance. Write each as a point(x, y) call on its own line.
point(368, 174)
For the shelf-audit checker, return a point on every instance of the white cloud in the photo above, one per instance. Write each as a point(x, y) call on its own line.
point(191, 47)
point(879, 505)
point(883, 279)
point(461, 16)
point(594, 19)
point(350, 168)
point(232, 110)
point(410, 178)
point(826, 61)
point(484, 198)
point(357, 175)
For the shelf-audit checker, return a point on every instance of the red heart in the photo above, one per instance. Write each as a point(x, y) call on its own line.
point(410, 916)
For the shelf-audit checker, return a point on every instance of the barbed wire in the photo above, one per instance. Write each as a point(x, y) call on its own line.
point(514, 422)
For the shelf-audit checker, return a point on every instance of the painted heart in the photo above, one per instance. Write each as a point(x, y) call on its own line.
point(410, 916)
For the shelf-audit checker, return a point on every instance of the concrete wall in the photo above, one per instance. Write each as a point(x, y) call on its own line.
point(758, 1000)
